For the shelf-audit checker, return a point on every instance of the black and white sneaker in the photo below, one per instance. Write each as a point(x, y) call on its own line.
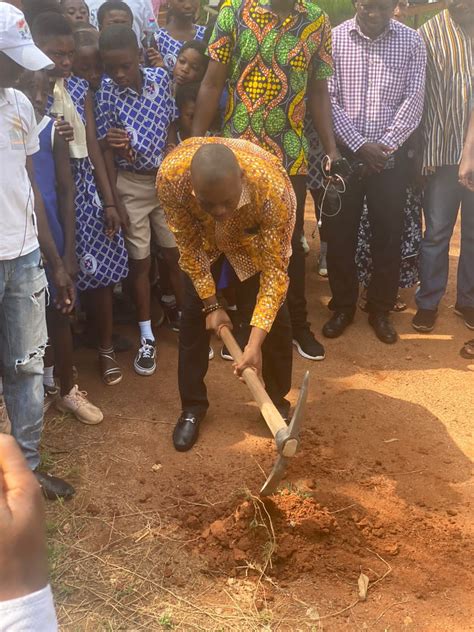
point(424, 320)
point(307, 345)
point(145, 360)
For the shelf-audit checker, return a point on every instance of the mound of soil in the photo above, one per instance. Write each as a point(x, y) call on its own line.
point(269, 533)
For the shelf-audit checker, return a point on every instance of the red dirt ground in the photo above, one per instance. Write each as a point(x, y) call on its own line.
point(382, 484)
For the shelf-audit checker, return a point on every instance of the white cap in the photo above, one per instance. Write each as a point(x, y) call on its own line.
point(16, 41)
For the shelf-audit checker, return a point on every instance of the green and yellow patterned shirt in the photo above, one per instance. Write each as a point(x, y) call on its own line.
point(269, 64)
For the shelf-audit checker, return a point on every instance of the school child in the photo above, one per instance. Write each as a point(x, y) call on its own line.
point(87, 63)
point(100, 248)
point(186, 97)
point(54, 179)
point(179, 29)
point(136, 113)
point(114, 12)
point(191, 63)
point(75, 11)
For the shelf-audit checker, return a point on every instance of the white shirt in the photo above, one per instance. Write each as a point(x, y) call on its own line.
point(142, 14)
point(32, 613)
point(18, 139)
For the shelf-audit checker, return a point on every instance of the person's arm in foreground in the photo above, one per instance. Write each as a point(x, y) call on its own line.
point(25, 597)
point(66, 189)
point(466, 168)
point(62, 280)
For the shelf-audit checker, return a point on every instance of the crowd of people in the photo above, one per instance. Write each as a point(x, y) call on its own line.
point(172, 163)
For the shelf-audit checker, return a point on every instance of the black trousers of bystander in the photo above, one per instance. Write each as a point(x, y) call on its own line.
point(297, 268)
point(386, 196)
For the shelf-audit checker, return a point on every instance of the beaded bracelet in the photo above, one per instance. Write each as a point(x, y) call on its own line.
point(208, 309)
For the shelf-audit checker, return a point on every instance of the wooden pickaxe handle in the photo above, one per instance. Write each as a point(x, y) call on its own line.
point(268, 409)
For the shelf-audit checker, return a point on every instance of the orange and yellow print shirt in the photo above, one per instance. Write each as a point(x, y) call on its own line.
point(255, 238)
point(270, 61)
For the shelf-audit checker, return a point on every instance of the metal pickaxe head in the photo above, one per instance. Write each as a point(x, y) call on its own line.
point(287, 440)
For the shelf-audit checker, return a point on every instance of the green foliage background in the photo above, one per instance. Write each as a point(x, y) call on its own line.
point(337, 10)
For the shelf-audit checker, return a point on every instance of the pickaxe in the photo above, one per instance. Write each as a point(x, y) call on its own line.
point(286, 437)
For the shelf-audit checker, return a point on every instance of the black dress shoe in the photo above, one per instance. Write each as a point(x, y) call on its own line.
point(53, 487)
point(384, 330)
point(186, 431)
point(337, 324)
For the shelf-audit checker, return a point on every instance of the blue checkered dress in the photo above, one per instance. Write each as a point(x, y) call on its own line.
point(102, 261)
point(168, 47)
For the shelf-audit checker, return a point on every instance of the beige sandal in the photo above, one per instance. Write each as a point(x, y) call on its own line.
point(111, 372)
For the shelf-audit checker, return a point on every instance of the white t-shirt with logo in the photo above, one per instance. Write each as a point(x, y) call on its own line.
point(18, 139)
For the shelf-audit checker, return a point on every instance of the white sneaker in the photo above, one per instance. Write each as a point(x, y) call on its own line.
point(76, 403)
point(5, 423)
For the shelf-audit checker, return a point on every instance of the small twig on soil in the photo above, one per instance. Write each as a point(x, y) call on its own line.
point(206, 504)
point(111, 531)
point(387, 572)
point(148, 421)
point(396, 603)
point(343, 509)
point(259, 467)
point(371, 585)
point(336, 614)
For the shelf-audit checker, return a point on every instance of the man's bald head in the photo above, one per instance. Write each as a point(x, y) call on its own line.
point(217, 179)
point(214, 161)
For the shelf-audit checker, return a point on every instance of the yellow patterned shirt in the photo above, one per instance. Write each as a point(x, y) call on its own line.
point(255, 238)
point(269, 63)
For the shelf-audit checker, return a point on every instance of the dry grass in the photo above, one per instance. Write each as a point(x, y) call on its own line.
point(122, 584)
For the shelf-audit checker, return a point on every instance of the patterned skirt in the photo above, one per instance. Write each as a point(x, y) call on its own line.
point(411, 240)
point(102, 261)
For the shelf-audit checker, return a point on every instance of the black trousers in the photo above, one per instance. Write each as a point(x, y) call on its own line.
point(297, 267)
point(385, 193)
point(194, 346)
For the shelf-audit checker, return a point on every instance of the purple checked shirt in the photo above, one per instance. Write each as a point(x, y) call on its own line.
point(377, 88)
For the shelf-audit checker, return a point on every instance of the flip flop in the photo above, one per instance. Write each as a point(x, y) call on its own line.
point(111, 374)
point(467, 351)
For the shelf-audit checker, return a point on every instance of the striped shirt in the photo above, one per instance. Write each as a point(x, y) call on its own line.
point(378, 85)
point(449, 98)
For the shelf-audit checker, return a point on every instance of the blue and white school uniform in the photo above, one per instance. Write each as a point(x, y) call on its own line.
point(146, 117)
point(169, 47)
point(45, 176)
point(102, 261)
